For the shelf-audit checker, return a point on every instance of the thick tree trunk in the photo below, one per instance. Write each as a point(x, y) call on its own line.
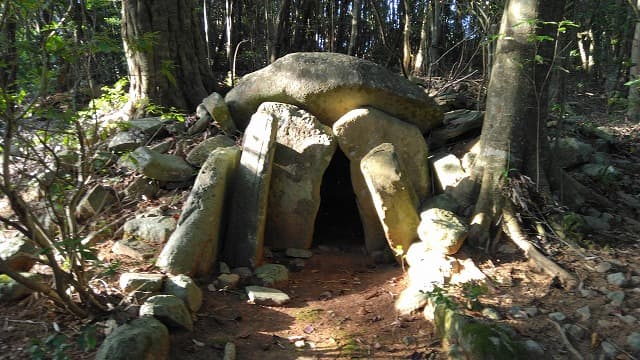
point(278, 34)
point(8, 49)
point(166, 54)
point(633, 111)
point(512, 137)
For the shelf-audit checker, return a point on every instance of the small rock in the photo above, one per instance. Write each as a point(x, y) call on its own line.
point(299, 253)
point(603, 267)
point(616, 297)
point(635, 280)
point(272, 275)
point(534, 348)
point(266, 296)
point(628, 319)
point(633, 340)
point(169, 309)
point(491, 313)
point(245, 274)
point(575, 331)
point(557, 316)
point(224, 268)
point(531, 311)
point(229, 351)
point(141, 282)
point(228, 280)
point(584, 313)
point(410, 300)
point(409, 340)
point(609, 350)
point(184, 288)
point(296, 264)
point(587, 293)
point(617, 279)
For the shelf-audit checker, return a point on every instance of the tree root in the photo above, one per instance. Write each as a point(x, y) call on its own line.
point(566, 341)
point(512, 228)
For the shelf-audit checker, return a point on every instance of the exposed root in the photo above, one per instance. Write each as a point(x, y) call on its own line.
point(566, 341)
point(512, 228)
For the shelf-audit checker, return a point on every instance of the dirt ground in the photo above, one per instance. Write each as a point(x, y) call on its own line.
point(342, 302)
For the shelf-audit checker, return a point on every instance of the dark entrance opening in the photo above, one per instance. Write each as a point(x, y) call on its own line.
point(338, 221)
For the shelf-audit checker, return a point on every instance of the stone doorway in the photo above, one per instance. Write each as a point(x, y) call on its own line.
point(338, 221)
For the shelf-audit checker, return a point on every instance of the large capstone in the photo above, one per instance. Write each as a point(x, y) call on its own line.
point(304, 148)
point(361, 130)
point(329, 85)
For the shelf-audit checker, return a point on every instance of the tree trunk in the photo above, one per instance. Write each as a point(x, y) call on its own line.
point(418, 66)
point(435, 26)
point(513, 139)
point(279, 34)
point(633, 111)
point(165, 53)
point(8, 49)
point(406, 37)
point(355, 16)
point(228, 30)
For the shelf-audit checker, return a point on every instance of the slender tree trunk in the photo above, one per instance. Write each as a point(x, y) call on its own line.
point(228, 16)
point(355, 17)
point(633, 111)
point(165, 53)
point(418, 66)
point(436, 25)
point(406, 37)
point(279, 34)
point(8, 49)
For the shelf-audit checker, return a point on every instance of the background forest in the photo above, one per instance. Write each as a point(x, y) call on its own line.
point(72, 72)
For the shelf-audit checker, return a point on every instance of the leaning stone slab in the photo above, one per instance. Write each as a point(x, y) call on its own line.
point(456, 123)
point(266, 296)
point(361, 130)
point(145, 338)
point(193, 247)
point(170, 310)
point(95, 200)
point(159, 166)
point(245, 236)
point(185, 289)
point(329, 85)
point(17, 251)
point(272, 275)
point(219, 111)
point(303, 151)
point(442, 230)
point(153, 229)
point(141, 282)
point(199, 154)
point(151, 126)
point(126, 141)
point(393, 196)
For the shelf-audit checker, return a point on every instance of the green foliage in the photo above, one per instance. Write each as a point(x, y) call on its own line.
point(57, 345)
point(440, 297)
point(472, 291)
point(170, 113)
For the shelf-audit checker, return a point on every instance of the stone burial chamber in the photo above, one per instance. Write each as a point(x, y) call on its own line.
point(320, 129)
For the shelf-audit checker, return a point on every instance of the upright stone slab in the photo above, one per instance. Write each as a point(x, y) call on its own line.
point(361, 130)
point(393, 196)
point(219, 111)
point(245, 235)
point(193, 247)
point(304, 148)
point(328, 85)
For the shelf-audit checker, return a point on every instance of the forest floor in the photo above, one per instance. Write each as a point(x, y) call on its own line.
point(343, 303)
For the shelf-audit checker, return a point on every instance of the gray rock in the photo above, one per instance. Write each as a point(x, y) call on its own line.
point(361, 130)
point(224, 268)
point(557, 316)
point(199, 154)
point(229, 351)
point(576, 332)
point(203, 122)
point(11, 290)
point(633, 340)
point(193, 248)
point(617, 279)
point(219, 111)
point(184, 288)
point(600, 171)
point(154, 230)
point(142, 187)
point(584, 313)
point(491, 313)
point(159, 166)
point(534, 348)
point(442, 230)
point(447, 170)
point(245, 274)
point(169, 309)
point(455, 124)
point(138, 282)
point(597, 223)
point(266, 296)
point(394, 198)
point(299, 253)
point(425, 276)
point(531, 311)
point(616, 297)
point(603, 267)
point(152, 127)
point(17, 251)
point(410, 299)
point(163, 146)
point(145, 338)
point(572, 152)
point(126, 141)
point(441, 201)
point(329, 85)
point(609, 350)
point(272, 275)
point(94, 201)
point(135, 248)
point(245, 234)
point(230, 281)
point(304, 148)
